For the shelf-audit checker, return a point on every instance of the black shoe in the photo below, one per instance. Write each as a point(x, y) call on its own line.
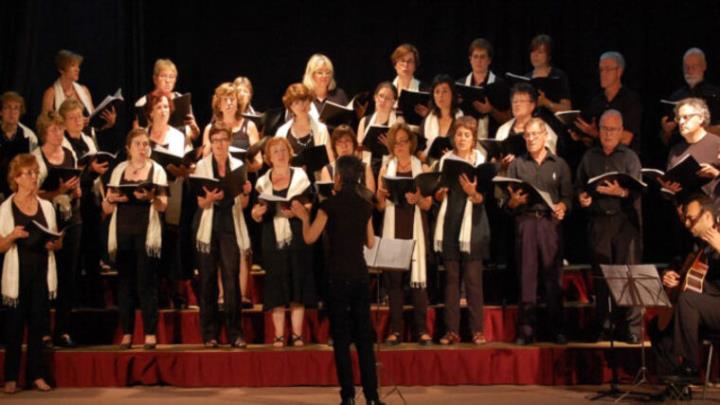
point(560, 339)
point(374, 402)
point(347, 401)
point(150, 346)
point(684, 374)
point(65, 341)
point(603, 336)
point(126, 346)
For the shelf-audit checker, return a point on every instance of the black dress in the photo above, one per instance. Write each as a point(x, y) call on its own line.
point(33, 305)
point(290, 274)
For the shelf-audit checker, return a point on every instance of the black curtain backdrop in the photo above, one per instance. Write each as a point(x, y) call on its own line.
point(270, 42)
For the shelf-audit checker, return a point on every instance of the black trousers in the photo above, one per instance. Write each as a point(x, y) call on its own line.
point(32, 311)
point(349, 308)
point(538, 246)
point(472, 275)
point(68, 269)
point(224, 255)
point(613, 239)
point(138, 280)
point(394, 283)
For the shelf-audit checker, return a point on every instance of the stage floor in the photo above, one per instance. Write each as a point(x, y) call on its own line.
point(433, 395)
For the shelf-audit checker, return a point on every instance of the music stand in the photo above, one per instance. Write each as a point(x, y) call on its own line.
point(636, 286)
point(387, 255)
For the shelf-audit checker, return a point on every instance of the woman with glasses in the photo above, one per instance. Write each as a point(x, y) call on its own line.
point(29, 277)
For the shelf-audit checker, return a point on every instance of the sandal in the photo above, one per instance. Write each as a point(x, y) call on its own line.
point(211, 344)
point(393, 339)
point(279, 341)
point(297, 340)
point(450, 338)
point(478, 338)
point(424, 339)
point(41, 385)
point(239, 343)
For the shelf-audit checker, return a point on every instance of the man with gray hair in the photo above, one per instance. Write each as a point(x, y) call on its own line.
point(614, 96)
point(614, 229)
point(694, 67)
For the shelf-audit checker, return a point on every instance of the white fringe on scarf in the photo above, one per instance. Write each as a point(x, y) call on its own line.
point(11, 263)
point(203, 237)
point(298, 184)
point(466, 224)
point(418, 273)
point(153, 238)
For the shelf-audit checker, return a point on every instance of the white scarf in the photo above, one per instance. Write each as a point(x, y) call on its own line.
point(176, 145)
point(504, 131)
point(203, 237)
point(11, 263)
point(79, 90)
point(418, 274)
point(30, 136)
point(153, 238)
point(466, 224)
point(414, 84)
point(431, 128)
point(319, 131)
point(483, 122)
point(299, 182)
point(63, 202)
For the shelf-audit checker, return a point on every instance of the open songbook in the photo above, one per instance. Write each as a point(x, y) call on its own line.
point(372, 142)
point(390, 254)
point(407, 102)
point(496, 93)
point(535, 195)
point(453, 167)
point(624, 180)
point(110, 101)
point(512, 145)
point(551, 86)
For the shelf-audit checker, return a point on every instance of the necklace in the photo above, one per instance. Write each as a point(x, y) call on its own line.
point(134, 171)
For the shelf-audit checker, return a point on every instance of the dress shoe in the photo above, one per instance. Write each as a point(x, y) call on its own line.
point(560, 339)
point(47, 344)
point(375, 402)
point(347, 401)
point(685, 373)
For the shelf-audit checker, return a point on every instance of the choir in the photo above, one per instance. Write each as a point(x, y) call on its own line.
point(177, 201)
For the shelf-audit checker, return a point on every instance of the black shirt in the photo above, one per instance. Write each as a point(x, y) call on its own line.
point(706, 150)
point(551, 175)
point(628, 103)
point(563, 88)
point(594, 163)
point(336, 95)
point(346, 229)
point(9, 148)
point(223, 210)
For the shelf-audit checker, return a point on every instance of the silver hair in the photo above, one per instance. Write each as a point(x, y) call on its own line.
point(616, 56)
point(611, 112)
point(695, 51)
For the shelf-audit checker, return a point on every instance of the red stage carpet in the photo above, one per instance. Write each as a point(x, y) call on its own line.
point(261, 366)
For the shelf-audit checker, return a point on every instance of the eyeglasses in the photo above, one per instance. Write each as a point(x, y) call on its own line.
point(686, 117)
point(610, 129)
point(30, 173)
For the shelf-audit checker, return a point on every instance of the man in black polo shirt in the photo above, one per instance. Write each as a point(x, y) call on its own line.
point(614, 96)
point(538, 240)
point(346, 217)
point(614, 220)
point(694, 66)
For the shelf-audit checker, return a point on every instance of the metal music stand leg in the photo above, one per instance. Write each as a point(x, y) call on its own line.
point(614, 389)
point(641, 375)
point(378, 342)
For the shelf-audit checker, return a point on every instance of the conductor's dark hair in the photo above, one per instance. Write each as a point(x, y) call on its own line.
point(706, 203)
point(349, 168)
point(524, 88)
